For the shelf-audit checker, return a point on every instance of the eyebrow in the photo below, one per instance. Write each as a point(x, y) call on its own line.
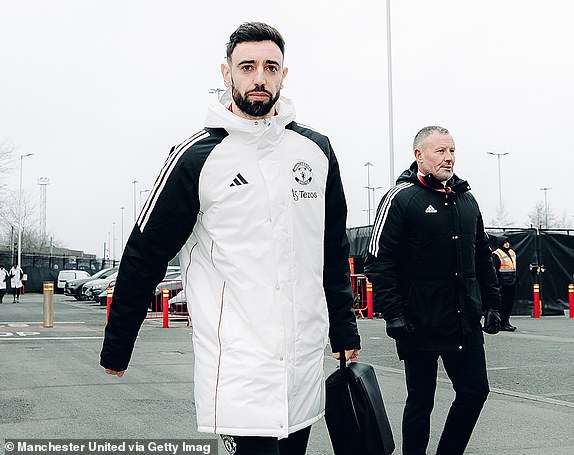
point(272, 62)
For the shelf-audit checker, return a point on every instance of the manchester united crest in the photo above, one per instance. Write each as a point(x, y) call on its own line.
point(302, 173)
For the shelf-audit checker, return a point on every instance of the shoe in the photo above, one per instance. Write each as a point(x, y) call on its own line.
point(508, 328)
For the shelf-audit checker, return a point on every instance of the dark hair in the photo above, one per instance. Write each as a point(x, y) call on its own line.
point(426, 132)
point(254, 32)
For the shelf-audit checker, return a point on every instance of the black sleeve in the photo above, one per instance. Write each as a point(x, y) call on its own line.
point(164, 225)
point(343, 332)
point(382, 258)
point(496, 261)
point(485, 272)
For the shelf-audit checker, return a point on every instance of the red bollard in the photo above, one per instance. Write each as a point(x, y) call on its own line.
point(571, 300)
point(164, 304)
point(352, 265)
point(109, 295)
point(369, 300)
point(537, 306)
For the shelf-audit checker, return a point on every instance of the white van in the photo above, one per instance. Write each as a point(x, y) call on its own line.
point(66, 275)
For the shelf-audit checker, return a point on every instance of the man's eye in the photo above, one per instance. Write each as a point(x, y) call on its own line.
point(272, 69)
point(247, 67)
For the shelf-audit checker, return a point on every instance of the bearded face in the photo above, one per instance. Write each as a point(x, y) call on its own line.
point(255, 74)
point(259, 106)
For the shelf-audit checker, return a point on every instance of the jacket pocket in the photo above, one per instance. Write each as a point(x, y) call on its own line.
point(432, 306)
point(473, 301)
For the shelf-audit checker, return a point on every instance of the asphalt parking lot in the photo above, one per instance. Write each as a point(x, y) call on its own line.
point(51, 384)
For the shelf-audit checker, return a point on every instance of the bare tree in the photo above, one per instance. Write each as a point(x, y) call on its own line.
point(6, 157)
point(502, 218)
point(32, 239)
point(9, 220)
point(543, 216)
point(6, 165)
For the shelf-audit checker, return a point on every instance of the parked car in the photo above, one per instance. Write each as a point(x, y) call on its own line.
point(178, 304)
point(92, 289)
point(171, 282)
point(102, 297)
point(66, 275)
point(74, 287)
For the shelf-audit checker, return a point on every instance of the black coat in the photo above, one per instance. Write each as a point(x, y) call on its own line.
point(429, 260)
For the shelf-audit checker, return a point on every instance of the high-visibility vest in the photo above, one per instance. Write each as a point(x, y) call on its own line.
point(507, 268)
point(507, 260)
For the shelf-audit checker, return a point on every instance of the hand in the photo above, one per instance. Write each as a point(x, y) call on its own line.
point(351, 354)
point(119, 374)
point(399, 328)
point(491, 322)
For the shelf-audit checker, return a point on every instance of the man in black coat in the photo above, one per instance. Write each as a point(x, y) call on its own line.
point(433, 278)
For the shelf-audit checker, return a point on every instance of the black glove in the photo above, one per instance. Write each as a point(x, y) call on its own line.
point(491, 322)
point(400, 327)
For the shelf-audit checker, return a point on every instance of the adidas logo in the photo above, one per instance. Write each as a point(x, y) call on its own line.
point(430, 209)
point(239, 180)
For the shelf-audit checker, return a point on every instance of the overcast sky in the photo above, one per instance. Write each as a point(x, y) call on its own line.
point(100, 90)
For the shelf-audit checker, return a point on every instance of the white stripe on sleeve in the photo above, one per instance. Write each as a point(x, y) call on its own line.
point(382, 216)
point(166, 170)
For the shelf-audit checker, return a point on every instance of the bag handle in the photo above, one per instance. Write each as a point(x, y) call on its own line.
point(342, 360)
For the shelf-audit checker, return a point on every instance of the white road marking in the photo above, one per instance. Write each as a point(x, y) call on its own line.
point(24, 338)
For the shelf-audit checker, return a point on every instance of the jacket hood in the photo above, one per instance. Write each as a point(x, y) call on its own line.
point(456, 184)
point(219, 116)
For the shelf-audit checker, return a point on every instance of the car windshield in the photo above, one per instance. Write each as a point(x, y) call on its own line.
point(172, 276)
point(110, 273)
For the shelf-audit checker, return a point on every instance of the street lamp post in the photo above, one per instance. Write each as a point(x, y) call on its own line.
point(135, 208)
point(368, 164)
point(545, 189)
point(20, 211)
point(390, 97)
point(218, 91)
point(142, 191)
point(498, 155)
point(370, 191)
point(122, 234)
point(114, 241)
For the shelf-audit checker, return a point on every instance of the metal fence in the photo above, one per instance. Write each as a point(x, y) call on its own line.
point(41, 267)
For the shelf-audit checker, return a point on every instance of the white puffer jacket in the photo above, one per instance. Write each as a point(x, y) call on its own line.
point(259, 209)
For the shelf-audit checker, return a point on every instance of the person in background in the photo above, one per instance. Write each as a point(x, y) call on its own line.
point(4, 277)
point(504, 259)
point(16, 284)
point(255, 205)
point(429, 262)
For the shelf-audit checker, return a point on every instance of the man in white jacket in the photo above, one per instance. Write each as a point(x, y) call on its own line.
point(4, 277)
point(16, 275)
point(255, 206)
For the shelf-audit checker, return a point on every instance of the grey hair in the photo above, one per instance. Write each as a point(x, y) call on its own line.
point(426, 132)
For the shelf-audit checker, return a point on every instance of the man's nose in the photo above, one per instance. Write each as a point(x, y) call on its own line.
point(259, 76)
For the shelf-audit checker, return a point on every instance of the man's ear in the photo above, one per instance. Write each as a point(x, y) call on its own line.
point(418, 155)
point(285, 71)
point(226, 73)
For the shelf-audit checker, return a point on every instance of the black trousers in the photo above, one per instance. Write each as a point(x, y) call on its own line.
point(295, 444)
point(467, 372)
point(507, 295)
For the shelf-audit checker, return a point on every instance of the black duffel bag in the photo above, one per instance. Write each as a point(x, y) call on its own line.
point(355, 412)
